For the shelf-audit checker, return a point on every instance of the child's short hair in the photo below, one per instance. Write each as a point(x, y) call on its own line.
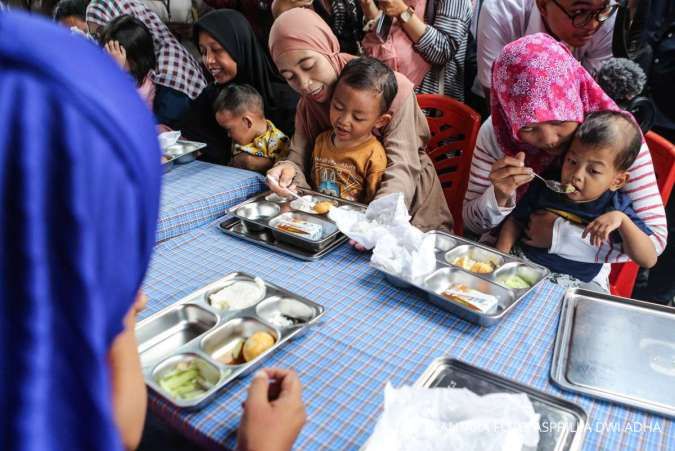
point(369, 73)
point(238, 99)
point(136, 39)
point(612, 129)
point(70, 8)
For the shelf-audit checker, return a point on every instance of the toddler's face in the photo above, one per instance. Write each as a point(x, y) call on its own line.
point(591, 171)
point(354, 113)
point(237, 127)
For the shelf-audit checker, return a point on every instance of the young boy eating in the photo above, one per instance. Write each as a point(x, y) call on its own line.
point(348, 161)
point(596, 166)
point(258, 144)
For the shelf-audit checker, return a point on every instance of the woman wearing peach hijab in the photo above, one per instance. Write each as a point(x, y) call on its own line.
point(306, 53)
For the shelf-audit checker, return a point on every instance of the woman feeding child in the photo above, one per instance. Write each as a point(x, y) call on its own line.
point(307, 54)
point(540, 96)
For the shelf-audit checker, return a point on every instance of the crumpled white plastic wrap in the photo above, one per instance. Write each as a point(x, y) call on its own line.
point(439, 419)
point(398, 247)
point(168, 139)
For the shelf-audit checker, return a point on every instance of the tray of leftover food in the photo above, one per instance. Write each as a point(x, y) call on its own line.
point(195, 347)
point(295, 224)
point(473, 281)
point(617, 349)
point(265, 238)
point(561, 423)
point(180, 153)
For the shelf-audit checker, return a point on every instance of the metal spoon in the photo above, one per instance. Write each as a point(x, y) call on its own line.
point(556, 186)
point(275, 182)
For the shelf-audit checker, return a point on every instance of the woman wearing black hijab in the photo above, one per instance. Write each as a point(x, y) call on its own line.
point(232, 54)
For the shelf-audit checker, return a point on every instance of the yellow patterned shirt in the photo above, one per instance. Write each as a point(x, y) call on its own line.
point(271, 144)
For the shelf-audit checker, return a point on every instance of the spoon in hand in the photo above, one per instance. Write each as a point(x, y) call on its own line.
point(556, 186)
point(276, 182)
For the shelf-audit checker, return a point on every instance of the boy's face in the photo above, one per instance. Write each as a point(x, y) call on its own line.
point(355, 113)
point(239, 127)
point(591, 171)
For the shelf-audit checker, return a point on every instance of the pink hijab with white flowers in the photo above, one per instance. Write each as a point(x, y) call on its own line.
point(536, 79)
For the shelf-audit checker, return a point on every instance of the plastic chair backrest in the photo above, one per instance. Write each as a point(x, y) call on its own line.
point(623, 275)
point(454, 128)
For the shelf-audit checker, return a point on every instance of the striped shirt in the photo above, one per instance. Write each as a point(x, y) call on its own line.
point(481, 212)
point(444, 44)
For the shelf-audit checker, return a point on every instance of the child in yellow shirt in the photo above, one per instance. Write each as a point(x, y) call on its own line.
point(348, 161)
point(258, 144)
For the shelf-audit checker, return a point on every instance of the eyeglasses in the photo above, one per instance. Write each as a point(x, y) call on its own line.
point(582, 18)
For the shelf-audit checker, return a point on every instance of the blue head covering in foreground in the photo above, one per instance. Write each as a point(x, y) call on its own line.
point(79, 190)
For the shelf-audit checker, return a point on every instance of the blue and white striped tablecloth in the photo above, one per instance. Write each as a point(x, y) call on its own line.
point(372, 333)
point(196, 193)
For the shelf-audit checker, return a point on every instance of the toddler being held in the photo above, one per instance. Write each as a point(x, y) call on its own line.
point(258, 144)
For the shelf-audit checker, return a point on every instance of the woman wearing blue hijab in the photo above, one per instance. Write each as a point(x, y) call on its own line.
point(79, 186)
point(79, 183)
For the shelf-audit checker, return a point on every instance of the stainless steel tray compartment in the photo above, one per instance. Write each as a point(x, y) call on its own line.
point(257, 211)
point(193, 330)
point(562, 423)
point(441, 279)
point(314, 198)
point(229, 280)
point(617, 349)
point(210, 373)
point(328, 231)
point(474, 253)
point(221, 341)
point(529, 273)
point(172, 329)
point(235, 227)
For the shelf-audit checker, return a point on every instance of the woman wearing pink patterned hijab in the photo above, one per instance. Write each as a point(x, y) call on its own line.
point(540, 94)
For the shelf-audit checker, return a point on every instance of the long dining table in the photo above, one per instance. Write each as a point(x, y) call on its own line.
point(372, 333)
point(196, 193)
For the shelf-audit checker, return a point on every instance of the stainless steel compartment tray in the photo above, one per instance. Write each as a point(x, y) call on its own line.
point(617, 349)
point(508, 297)
point(562, 423)
point(191, 328)
point(290, 239)
point(233, 227)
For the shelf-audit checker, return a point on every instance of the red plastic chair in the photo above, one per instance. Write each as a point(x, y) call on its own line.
point(623, 275)
point(454, 128)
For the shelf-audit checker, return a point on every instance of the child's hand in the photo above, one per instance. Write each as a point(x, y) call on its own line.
point(118, 52)
point(602, 226)
point(273, 412)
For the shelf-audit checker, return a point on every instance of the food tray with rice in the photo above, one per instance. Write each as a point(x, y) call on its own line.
point(617, 349)
point(300, 224)
point(181, 152)
point(473, 281)
point(192, 349)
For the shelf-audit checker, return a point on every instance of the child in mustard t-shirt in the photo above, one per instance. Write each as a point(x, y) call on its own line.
point(348, 161)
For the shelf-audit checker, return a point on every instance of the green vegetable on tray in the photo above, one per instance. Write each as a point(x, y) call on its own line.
point(185, 381)
point(516, 282)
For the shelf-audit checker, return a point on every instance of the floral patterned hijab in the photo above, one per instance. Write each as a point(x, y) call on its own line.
point(536, 79)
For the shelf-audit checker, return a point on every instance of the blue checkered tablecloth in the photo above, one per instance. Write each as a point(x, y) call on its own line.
point(372, 333)
point(196, 193)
